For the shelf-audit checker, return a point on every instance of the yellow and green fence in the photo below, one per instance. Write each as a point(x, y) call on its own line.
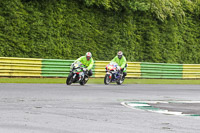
point(191, 71)
point(33, 67)
point(13, 67)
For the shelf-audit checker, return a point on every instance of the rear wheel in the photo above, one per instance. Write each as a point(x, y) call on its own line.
point(107, 79)
point(69, 80)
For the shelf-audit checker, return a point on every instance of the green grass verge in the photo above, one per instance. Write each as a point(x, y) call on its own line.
point(98, 81)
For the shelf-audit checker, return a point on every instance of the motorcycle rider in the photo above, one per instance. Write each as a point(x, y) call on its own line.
point(87, 61)
point(121, 61)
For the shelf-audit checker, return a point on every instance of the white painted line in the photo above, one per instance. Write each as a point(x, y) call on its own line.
point(141, 105)
point(145, 104)
point(184, 101)
point(168, 112)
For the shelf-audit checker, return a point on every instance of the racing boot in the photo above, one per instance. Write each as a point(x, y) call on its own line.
point(124, 75)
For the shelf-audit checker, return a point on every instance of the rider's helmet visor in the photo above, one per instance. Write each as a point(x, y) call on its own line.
point(88, 57)
point(119, 56)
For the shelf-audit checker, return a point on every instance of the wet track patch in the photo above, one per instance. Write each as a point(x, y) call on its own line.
point(182, 108)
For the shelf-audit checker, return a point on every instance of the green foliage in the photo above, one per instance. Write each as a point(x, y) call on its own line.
point(118, 5)
point(146, 31)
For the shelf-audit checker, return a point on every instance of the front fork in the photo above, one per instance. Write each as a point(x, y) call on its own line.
point(74, 76)
point(110, 75)
point(81, 76)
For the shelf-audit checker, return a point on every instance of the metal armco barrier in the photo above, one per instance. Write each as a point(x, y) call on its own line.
point(161, 70)
point(14, 67)
point(191, 71)
point(55, 67)
point(32, 67)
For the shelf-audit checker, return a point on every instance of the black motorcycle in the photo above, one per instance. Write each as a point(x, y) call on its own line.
point(78, 74)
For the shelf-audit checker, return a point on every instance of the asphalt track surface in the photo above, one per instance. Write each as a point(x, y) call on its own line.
point(58, 108)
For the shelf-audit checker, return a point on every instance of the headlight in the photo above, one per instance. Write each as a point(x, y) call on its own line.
point(71, 67)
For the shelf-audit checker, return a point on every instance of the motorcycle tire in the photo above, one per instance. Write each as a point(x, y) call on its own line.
point(107, 80)
point(69, 80)
point(120, 81)
point(86, 79)
point(82, 82)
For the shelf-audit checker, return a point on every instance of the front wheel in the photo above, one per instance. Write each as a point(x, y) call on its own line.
point(120, 81)
point(69, 80)
point(107, 79)
point(82, 82)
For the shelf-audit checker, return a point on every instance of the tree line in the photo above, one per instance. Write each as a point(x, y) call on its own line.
point(145, 30)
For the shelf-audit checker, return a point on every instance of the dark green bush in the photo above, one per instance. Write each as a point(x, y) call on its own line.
point(146, 31)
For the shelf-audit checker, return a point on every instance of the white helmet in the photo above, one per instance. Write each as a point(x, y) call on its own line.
point(88, 55)
point(120, 54)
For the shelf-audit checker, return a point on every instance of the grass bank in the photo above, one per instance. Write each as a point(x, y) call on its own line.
point(97, 81)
